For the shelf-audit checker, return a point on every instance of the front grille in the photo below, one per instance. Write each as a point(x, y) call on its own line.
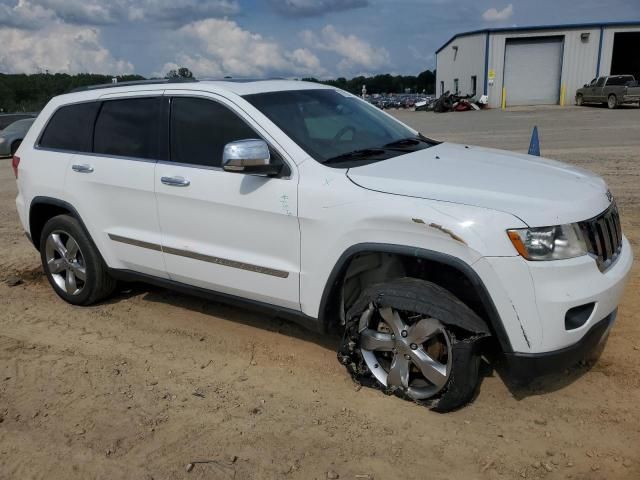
point(604, 237)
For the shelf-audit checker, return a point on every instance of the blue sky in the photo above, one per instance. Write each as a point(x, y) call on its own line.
point(291, 38)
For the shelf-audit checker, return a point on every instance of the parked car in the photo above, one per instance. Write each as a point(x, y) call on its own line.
point(612, 91)
point(7, 119)
point(304, 200)
point(11, 137)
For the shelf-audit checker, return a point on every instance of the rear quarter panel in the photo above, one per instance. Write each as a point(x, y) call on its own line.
point(42, 173)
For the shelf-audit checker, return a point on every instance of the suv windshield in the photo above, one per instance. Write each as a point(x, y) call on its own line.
point(336, 128)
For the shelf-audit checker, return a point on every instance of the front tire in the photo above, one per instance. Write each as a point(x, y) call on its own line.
point(400, 339)
point(72, 263)
point(579, 100)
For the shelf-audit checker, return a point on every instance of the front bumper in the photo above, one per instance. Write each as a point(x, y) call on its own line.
point(533, 298)
point(526, 366)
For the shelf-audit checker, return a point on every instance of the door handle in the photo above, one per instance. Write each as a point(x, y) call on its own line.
point(82, 168)
point(175, 181)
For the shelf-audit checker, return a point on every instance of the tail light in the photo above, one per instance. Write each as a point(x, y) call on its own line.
point(15, 161)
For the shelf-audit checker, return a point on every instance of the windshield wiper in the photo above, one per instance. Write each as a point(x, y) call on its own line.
point(355, 155)
point(405, 142)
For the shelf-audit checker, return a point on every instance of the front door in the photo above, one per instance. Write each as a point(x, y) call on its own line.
point(232, 233)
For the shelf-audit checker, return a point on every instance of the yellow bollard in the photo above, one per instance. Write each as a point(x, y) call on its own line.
point(562, 95)
point(504, 98)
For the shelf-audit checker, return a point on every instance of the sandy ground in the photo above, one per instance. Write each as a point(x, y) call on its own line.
point(143, 385)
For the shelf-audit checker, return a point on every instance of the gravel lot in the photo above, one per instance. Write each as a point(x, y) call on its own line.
point(151, 381)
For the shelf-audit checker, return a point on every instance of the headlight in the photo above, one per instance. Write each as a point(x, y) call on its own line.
point(549, 243)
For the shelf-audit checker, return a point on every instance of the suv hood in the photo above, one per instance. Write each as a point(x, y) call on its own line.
point(540, 192)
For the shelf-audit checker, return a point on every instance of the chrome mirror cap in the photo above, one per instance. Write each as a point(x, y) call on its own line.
point(245, 155)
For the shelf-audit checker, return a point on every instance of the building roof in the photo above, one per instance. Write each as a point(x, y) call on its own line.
point(537, 28)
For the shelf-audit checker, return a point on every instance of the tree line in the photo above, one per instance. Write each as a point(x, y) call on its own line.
point(30, 93)
point(425, 82)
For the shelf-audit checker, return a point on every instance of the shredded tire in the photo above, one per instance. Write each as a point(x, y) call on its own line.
point(465, 328)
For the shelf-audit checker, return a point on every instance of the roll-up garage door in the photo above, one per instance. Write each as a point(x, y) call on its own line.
point(532, 70)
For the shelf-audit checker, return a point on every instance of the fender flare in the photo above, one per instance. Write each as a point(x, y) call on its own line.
point(464, 268)
point(56, 202)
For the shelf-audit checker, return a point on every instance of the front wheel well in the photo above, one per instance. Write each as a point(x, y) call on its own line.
point(367, 266)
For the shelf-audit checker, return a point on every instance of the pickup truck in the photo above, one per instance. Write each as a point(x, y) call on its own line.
point(613, 91)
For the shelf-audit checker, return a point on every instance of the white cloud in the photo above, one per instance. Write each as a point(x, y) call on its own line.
point(100, 12)
point(25, 15)
point(57, 48)
point(307, 59)
point(494, 15)
point(310, 8)
point(355, 52)
point(180, 11)
point(220, 47)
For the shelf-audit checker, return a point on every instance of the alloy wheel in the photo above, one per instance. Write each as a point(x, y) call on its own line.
point(406, 351)
point(65, 262)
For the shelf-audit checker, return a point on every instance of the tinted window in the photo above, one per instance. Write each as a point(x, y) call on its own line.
point(201, 128)
point(600, 82)
point(619, 81)
point(70, 128)
point(130, 128)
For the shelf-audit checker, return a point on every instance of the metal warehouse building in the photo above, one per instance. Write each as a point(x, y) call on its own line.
point(536, 65)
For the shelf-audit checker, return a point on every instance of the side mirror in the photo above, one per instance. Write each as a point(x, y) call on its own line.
point(248, 156)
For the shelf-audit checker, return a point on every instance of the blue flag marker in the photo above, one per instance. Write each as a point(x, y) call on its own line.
point(534, 146)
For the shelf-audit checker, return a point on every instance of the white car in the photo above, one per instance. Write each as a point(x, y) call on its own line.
point(306, 200)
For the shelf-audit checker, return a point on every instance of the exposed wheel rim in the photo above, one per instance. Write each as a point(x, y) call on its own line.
point(612, 102)
point(65, 262)
point(405, 351)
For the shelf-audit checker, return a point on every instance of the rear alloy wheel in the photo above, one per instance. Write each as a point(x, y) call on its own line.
point(410, 354)
point(65, 262)
point(579, 100)
point(72, 263)
point(612, 102)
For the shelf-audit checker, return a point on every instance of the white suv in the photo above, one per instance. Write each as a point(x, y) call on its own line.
point(307, 200)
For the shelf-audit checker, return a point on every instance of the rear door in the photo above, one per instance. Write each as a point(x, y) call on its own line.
point(228, 232)
point(112, 184)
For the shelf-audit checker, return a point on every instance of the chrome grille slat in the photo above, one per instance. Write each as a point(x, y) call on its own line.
point(603, 236)
point(603, 231)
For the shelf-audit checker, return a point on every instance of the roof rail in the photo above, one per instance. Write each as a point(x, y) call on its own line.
point(240, 79)
point(158, 81)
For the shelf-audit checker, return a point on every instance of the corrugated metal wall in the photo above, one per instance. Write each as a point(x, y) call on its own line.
point(580, 58)
point(468, 61)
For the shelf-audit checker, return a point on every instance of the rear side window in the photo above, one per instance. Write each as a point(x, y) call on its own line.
point(70, 128)
point(201, 128)
point(619, 81)
point(130, 128)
